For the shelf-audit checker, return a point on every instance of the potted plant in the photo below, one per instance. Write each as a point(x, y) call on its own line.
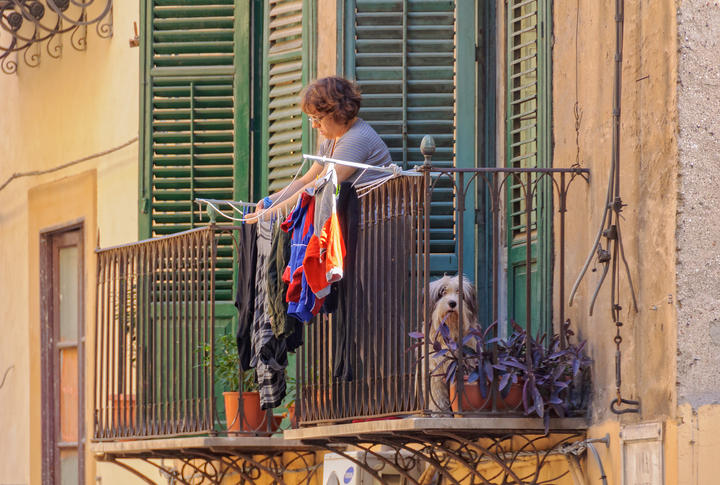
point(479, 371)
point(548, 379)
point(227, 376)
point(554, 378)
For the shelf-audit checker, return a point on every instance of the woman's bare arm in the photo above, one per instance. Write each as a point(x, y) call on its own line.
point(288, 196)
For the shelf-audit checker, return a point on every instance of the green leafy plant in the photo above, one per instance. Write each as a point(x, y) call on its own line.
point(227, 365)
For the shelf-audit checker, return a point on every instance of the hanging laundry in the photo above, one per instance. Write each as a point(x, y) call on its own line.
point(245, 294)
point(269, 355)
point(302, 303)
point(350, 287)
point(283, 325)
point(323, 262)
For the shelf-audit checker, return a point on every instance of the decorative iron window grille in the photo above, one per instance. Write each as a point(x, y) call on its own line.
point(28, 25)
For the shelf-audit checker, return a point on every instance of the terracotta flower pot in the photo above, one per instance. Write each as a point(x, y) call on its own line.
point(473, 400)
point(123, 409)
point(253, 418)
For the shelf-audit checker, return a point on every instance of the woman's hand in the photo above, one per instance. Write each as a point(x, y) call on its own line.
point(253, 217)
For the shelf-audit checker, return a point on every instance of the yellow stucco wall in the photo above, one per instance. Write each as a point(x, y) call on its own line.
point(698, 444)
point(326, 38)
point(583, 56)
point(84, 103)
point(648, 181)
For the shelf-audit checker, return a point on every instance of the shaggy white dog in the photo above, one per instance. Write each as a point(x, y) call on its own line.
point(445, 296)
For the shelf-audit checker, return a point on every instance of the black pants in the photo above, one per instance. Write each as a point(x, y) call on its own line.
point(245, 296)
point(348, 210)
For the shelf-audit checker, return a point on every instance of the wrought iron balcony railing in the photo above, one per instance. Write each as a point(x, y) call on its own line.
point(387, 337)
point(28, 26)
point(156, 306)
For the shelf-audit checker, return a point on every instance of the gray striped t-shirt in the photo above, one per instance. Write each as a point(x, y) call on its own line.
point(361, 144)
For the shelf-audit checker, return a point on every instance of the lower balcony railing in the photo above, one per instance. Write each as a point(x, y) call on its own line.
point(401, 333)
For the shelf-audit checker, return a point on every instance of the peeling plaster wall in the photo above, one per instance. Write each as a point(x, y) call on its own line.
point(698, 218)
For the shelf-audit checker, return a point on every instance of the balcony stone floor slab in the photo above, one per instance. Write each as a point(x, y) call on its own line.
point(483, 426)
point(186, 445)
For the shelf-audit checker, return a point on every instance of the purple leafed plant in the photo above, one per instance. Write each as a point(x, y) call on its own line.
point(554, 379)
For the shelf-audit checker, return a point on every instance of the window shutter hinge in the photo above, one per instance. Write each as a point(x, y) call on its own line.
point(252, 124)
point(477, 53)
point(145, 205)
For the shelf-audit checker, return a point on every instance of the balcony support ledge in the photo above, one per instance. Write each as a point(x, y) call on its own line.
point(171, 446)
point(474, 427)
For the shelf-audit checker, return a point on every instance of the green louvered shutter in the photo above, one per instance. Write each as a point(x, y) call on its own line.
point(286, 63)
point(402, 54)
point(194, 116)
point(528, 146)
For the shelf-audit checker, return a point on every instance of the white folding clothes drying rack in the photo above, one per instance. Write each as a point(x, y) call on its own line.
point(213, 206)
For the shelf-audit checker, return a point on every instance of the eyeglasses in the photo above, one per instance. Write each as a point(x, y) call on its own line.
point(315, 120)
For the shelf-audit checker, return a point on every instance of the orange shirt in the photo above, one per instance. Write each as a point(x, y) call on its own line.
point(324, 256)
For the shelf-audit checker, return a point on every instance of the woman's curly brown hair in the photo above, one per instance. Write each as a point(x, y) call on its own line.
point(333, 95)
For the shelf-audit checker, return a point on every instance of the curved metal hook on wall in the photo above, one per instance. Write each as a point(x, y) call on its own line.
point(633, 406)
point(26, 24)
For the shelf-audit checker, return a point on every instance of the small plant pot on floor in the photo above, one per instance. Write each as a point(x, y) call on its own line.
point(252, 419)
point(123, 406)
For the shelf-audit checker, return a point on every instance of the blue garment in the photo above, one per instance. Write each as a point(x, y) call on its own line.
point(302, 303)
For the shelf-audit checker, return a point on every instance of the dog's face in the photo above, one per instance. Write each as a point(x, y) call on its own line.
point(445, 296)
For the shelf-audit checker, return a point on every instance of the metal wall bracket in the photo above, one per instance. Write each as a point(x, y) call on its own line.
point(28, 25)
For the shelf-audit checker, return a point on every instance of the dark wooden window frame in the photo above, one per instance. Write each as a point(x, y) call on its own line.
point(51, 240)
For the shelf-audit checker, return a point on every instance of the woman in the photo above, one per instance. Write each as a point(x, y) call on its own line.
point(332, 104)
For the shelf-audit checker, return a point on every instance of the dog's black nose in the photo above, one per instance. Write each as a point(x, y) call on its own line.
point(452, 303)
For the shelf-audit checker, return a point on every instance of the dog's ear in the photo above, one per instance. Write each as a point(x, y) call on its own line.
point(435, 289)
point(470, 296)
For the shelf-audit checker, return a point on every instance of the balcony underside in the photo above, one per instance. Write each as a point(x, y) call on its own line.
point(489, 449)
point(211, 459)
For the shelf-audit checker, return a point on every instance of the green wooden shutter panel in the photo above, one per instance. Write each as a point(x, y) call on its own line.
point(284, 65)
point(192, 146)
point(190, 110)
point(527, 132)
point(523, 102)
point(404, 62)
point(192, 33)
